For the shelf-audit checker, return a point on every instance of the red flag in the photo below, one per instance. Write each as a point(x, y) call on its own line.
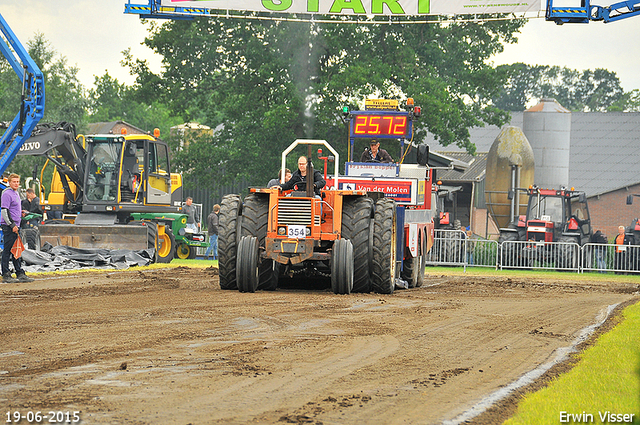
point(18, 248)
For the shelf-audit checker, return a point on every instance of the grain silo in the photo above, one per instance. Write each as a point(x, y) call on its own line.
point(510, 165)
point(548, 129)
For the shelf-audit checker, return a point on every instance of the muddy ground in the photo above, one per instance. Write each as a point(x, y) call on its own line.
point(169, 347)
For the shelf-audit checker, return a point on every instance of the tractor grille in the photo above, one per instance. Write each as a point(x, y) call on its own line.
point(294, 211)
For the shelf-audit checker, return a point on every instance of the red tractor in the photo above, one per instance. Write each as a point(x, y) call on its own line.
point(553, 215)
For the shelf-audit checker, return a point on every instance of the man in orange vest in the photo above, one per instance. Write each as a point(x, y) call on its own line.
point(622, 241)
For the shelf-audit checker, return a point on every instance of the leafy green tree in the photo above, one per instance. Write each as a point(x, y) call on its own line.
point(628, 102)
point(262, 84)
point(588, 90)
point(65, 96)
point(111, 100)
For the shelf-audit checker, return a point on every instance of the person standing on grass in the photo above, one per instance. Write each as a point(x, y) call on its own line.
point(212, 222)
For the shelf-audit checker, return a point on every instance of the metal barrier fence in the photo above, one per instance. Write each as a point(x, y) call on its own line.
point(540, 255)
point(611, 258)
point(453, 248)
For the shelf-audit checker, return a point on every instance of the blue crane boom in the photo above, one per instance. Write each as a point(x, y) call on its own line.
point(32, 99)
point(587, 12)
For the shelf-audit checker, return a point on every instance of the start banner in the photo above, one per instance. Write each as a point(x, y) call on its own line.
point(366, 7)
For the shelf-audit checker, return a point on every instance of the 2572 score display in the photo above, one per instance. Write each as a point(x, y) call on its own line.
point(51, 417)
point(380, 125)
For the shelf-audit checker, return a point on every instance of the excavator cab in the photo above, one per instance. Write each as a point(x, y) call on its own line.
point(127, 171)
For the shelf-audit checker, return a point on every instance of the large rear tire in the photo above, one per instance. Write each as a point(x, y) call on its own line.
point(384, 246)
point(255, 214)
point(342, 267)
point(230, 209)
point(510, 254)
point(247, 264)
point(356, 225)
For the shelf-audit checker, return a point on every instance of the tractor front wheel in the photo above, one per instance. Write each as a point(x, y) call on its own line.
point(185, 252)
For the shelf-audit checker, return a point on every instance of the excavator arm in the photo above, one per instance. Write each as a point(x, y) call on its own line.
point(587, 12)
point(32, 98)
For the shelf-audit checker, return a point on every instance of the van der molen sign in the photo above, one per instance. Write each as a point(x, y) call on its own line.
point(365, 7)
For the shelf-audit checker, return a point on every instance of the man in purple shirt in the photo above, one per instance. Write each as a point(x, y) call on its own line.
point(10, 220)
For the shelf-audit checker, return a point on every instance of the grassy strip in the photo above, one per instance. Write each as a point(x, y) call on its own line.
point(606, 379)
point(532, 274)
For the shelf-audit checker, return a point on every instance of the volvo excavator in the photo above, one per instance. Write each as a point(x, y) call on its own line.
point(112, 191)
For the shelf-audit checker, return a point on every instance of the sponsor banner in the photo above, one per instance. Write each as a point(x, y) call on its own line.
point(366, 7)
point(401, 191)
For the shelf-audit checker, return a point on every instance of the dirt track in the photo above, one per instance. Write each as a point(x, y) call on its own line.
point(170, 347)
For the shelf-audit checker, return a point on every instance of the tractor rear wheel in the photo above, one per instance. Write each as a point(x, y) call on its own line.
point(247, 264)
point(255, 214)
point(356, 227)
point(342, 267)
point(230, 210)
point(511, 254)
point(384, 247)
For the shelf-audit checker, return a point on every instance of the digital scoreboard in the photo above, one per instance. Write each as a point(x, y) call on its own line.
point(382, 124)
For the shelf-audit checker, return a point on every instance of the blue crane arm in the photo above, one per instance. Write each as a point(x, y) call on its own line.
point(587, 12)
point(32, 99)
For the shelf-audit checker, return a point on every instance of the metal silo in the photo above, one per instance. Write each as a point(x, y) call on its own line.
point(548, 129)
point(510, 165)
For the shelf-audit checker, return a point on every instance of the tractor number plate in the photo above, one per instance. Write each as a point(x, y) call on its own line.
point(297, 232)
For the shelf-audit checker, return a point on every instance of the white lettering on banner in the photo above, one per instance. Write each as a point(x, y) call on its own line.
point(366, 7)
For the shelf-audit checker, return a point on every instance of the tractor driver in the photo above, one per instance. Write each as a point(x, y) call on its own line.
point(375, 154)
point(299, 176)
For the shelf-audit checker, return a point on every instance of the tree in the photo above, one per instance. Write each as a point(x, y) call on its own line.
point(110, 100)
point(65, 96)
point(588, 90)
point(262, 84)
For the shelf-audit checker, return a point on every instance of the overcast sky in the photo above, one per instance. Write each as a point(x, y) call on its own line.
point(91, 34)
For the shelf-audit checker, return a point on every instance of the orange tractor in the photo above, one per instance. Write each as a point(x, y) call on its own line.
point(349, 235)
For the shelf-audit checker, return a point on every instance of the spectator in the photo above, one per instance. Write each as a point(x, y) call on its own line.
point(600, 251)
point(622, 241)
point(276, 182)
point(10, 221)
point(32, 205)
point(193, 217)
point(212, 223)
point(470, 245)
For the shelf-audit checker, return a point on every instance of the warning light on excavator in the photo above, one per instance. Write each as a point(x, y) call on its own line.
point(345, 110)
point(123, 131)
point(410, 102)
point(417, 111)
point(156, 133)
